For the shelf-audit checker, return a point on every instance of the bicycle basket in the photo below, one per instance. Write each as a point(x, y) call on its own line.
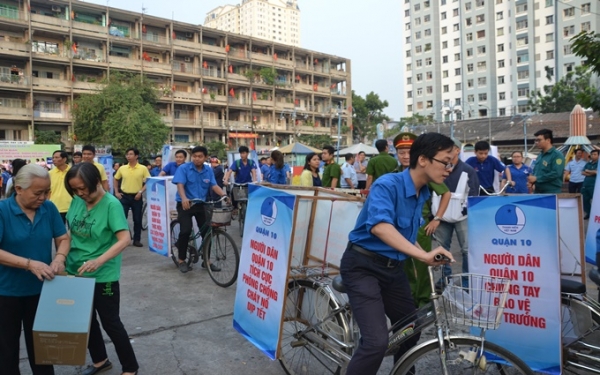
point(475, 300)
point(240, 193)
point(208, 212)
point(221, 216)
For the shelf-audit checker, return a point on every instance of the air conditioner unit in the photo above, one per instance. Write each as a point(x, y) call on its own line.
point(187, 59)
point(56, 8)
point(189, 35)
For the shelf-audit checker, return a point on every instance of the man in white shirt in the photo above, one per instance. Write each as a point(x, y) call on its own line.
point(349, 179)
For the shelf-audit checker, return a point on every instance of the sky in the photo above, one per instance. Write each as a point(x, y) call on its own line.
point(367, 32)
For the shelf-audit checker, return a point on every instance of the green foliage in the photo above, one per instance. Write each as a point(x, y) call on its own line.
point(411, 123)
point(47, 137)
point(367, 113)
point(123, 115)
point(217, 148)
point(315, 140)
point(587, 45)
point(268, 75)
point(250, 75)
point(574, 88)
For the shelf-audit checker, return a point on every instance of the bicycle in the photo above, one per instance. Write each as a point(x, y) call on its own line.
point(240, 194)
point(501, 192)
point(320, 334)
point(219, 253)
point(145, 216)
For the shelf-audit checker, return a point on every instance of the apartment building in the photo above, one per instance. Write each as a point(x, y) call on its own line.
point(478, 58)
point(273, 20)
point(213, 85)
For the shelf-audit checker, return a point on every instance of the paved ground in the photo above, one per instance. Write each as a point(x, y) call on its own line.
point(182, 323)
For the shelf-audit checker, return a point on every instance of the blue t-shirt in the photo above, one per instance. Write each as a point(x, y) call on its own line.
point(21, 237)
point(576, 167)
point(170, 168)
point(244, 174)
point(392, 199)
point(155, 171)
point(264, 170)
point(519, 176)
point(485, 170)
point(277, 176)
point(196, 182)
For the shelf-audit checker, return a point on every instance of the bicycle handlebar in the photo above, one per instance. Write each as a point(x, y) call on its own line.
point(195, 201)
point(481, 188)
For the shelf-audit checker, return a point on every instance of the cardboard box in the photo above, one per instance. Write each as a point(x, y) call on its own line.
point(62, 321)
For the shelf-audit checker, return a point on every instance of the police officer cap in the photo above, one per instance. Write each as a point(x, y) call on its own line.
point(404, 140)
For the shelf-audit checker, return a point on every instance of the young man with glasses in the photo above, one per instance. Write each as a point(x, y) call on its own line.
point(549, 166)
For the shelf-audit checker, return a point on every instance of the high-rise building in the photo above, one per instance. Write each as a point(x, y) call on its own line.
point(478, 58)
point(273, 20)
point(213, 85)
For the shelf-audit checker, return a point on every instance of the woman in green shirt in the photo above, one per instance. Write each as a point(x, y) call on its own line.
point(99, 233)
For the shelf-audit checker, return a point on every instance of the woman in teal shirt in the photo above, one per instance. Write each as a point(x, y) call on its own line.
point(99, 233)
point(28, 223)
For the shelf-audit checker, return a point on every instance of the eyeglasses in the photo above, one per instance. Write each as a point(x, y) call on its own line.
point(448, 166)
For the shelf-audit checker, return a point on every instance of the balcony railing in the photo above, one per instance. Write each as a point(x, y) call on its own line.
point(12, 14)
point(183, 67)
point(14, 113)
point(8, 80)
point(89, 56)
point(211, 72)
point(15, 47)
point(89, 28)
point(87, 86)
point(49, 84)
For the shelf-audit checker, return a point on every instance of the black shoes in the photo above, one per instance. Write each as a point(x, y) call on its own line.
point(91, 370)
point(137, 244)
point(183, 267)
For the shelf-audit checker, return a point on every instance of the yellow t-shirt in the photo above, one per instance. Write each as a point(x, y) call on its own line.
point(132, 178)
point(100, 167)
point(58, 193)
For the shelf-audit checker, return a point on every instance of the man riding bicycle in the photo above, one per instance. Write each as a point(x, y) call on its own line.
point(244, 169)
point(193, 180)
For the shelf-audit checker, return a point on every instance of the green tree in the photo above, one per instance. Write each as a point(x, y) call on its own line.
point(217, 148)
point(315, 140)
point(367, 113)
point(47, 137)
point(124, 114)
point(412, 123)
point(574, 88)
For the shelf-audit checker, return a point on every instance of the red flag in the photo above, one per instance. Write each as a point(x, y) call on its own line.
point(227, 48)
point(232, 92)
point(72, 77)
point(230, 69)
point(204, 90)
point(315, 87)
point(275, 56)
point(174, 35)
point(205, 65)
point(254, 98)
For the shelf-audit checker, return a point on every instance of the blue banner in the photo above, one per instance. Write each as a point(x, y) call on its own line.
point(264, 262)
point(517, 237)
point(157, 210)
point(591, 246)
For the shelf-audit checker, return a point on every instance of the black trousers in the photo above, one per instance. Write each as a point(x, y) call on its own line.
point(375, 291)
point(128, 201)
point(107, 298)
point(362, 184)
point(575, 187)
point(15, 311)
point(186, 225)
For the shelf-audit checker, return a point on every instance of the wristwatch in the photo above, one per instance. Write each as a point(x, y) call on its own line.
point(437, 218)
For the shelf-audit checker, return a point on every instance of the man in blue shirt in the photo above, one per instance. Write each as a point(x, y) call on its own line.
point(519, 172)
point(171, 167)
point(156, 169)
point(244, 168)
point(264, 167)
point(573, 171)
point(193, 180)
point(485, 166)
point(383, 237)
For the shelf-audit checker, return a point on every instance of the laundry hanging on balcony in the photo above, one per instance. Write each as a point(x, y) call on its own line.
point(232, 92)
point(275, 56)
point(254, 97)
point(315, 87)
point(205, 65)
point(227, 48)
point(174, 35)
point(204, 91)
point(230, 69)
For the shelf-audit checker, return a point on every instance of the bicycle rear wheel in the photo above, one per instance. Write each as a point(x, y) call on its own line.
point(307, 305)
point(145, 216)
point(462, 358)
point(221, 258)
point(242, 218)
point(191, 254)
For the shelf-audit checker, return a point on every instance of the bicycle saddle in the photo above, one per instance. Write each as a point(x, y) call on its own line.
point(338, 284)
point(571, 286)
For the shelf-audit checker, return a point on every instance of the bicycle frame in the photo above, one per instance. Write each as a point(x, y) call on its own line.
point(587, 305)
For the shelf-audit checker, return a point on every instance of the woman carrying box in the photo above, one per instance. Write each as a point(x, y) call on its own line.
point(99, 233)
point(28, 224)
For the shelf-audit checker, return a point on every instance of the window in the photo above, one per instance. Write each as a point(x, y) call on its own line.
point(569, 12)
point(469, 52)
point(481, 81)
point(481, 34)
point(468, 21)
point(470, 83)
point(480, 18)
point(407, 26)
point(428, 32)
point(444, 59)
point(569, 67)
point(419, 63)
point(418, 35)
point(457, 86)
point(499, 16)
point(481, 65)
point(419, 92)
point(419, 77)
point(501, 47)
point(456, 42)
point(568, 31)
point(446, 88)
point(522, 58)
point(522, 8)
point(456, 27)
point(523, 93)
point(522, 41)
point(479, 3)
point(549, 20)
point(457, 57)
point(429, 75)
point(567, 49)
point(481, 50)
point(443, 15)
point(501, 96)
point(407, 39)
point(444, 44)
point(417, 7)
point(428, 61)
point(468, 6)
point(549, 55)
point(469, 68)
point(549, 3)
point(426, 4)
point(419, 105)
point(524, 74)
point(469, 37)
point(427, 47)
point(522, 25)
point(418, 21)
point(586, 26)
point(408, 67)
point(444, 30)
point(427, 18)
point(502, 112)
point(409, 108)
point(500, 80)
point(457, 71)
point(409, 80)
point(483, 97)
point(445, 74)
point(409, 94)
point(586, 8)
point(549, 37)
point(418, 49)
point(408, 53)
point(455, 12)
point(471, 98)
point(429, 89)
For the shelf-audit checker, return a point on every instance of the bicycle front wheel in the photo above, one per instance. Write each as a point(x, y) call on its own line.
point(308, 323)
point(221, 258)
point(462, 357)
point(145, 216)
point(242, 217)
